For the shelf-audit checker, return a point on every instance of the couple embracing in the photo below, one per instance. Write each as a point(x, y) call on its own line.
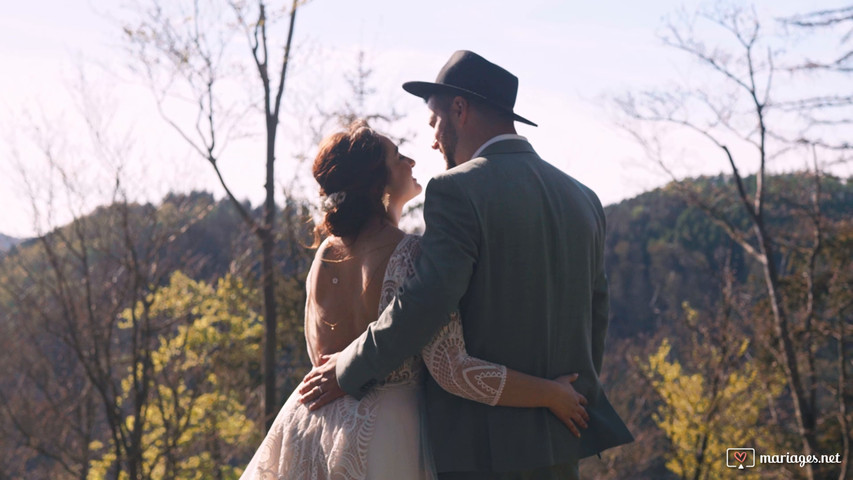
point(484, 360)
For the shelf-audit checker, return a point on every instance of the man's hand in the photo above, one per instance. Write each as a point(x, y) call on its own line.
point(568, 404)
point(320, 386)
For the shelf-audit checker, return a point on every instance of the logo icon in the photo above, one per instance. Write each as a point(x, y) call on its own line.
point(740, 458)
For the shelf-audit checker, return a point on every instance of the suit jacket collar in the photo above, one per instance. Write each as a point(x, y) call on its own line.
point(496, 138)
point(516, 145)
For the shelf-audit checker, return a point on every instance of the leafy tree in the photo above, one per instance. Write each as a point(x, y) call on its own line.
point(713, 396)
point(746, 118)
point(702, 418)
point(197, 424)
point(183, 50)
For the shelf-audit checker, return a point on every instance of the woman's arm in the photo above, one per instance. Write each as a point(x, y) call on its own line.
point(460, 374)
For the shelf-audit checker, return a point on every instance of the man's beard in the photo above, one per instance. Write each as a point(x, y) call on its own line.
point(448, 141)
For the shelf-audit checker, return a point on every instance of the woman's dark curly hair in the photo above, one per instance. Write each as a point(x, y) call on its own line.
point(352, 162)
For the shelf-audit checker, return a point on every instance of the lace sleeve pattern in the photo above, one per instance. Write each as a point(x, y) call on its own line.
point(401, 266)
point(460, 374)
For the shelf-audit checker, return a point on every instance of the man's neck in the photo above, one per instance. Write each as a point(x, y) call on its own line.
point(478, 138)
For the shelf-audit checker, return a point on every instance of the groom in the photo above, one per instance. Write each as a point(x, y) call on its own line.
point(517, 246)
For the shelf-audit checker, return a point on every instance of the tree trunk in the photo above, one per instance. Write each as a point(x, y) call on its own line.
point(803, 409)
point(270, 399)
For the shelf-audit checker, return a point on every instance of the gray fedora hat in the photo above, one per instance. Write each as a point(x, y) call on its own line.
point(469, 74)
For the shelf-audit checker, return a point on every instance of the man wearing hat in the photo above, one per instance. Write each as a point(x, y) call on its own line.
point(517, 247)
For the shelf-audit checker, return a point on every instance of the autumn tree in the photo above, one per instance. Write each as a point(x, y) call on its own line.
point(76, 352)
point(198, 421)
point(747, 112)
point(712, 394)
point(187, 50)
point(81, 373)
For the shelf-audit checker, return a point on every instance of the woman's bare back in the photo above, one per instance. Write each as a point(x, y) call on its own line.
point(344, 286)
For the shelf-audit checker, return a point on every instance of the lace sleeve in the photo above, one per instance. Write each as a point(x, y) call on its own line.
point(458, 373)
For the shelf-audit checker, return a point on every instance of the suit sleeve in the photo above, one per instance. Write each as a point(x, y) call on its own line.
point(449, 250)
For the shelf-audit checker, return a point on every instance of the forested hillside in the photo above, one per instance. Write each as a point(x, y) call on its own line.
point(7, 242)
point(131, 338)
point(133, 334)
point(663, 251)
point(694, 358)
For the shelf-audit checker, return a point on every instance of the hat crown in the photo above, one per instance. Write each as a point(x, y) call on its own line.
point(471, 75)
point(471, 72)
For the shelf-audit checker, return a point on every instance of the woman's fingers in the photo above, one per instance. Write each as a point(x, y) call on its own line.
point(310, 395)
point(326, 398)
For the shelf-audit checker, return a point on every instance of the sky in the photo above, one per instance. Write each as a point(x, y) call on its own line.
point(570, 57)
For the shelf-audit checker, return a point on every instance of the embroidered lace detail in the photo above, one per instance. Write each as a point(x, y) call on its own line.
point(449, 364)
point(401, 266)
point(302, 445)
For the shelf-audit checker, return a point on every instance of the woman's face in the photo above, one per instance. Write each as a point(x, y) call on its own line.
point(402, 186)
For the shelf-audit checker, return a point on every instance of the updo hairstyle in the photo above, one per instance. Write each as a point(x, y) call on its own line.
point(352, 162)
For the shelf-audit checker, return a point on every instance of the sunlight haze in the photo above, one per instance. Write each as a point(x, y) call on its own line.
point(570, 58)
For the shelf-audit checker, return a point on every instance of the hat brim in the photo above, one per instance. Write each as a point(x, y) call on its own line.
point(427, 89)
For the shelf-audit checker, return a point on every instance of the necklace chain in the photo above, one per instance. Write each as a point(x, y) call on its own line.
point(335, 280)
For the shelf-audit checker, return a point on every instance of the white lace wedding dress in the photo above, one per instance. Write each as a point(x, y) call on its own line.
point(382, 436)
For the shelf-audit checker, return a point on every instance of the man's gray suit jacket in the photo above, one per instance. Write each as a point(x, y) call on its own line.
point(517, 246)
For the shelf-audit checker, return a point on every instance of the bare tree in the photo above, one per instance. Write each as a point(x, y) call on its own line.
point(357, 105)
point(819, 112)
point(822, 111)
point(77, 301)
point(70, 334)
point(821, 20)
point(193, 60)
point(734, 115)
point(360, 104)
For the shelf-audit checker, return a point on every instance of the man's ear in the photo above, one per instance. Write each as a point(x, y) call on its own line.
point(461, 109)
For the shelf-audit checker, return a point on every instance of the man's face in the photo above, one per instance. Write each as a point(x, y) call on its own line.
point(445, 139)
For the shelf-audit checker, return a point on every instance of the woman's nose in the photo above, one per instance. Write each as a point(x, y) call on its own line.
point(411, 161)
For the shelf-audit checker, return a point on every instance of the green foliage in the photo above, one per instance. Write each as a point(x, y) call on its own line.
point(702, 417)
point(141, 386)
point(199, 416)
point(293, 362)
point(660, 247)
point(197, 424)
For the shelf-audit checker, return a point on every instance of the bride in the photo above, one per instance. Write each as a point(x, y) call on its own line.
point(358, 269)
